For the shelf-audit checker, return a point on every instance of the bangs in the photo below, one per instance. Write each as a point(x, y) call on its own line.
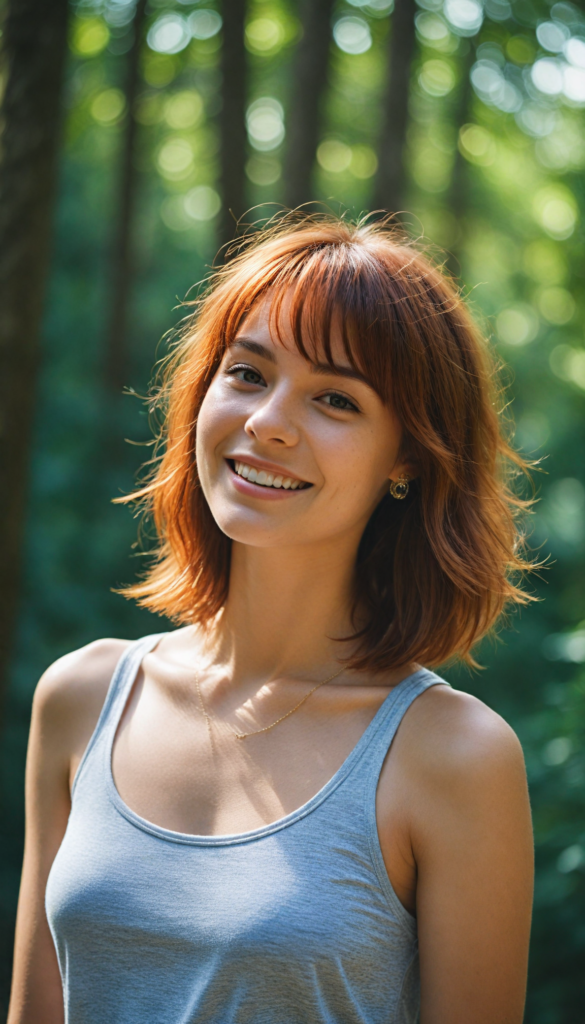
point(333, 297)
point(330, 305)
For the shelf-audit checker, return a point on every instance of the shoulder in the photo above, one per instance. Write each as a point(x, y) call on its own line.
point(79, 676)
point(459, 733)
point(71, 692)
point(452, 749)
point(456, 753)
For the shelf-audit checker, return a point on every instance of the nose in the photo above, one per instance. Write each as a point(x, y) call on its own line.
point(273, 419)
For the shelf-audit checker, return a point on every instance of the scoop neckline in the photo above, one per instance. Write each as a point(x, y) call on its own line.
point(233, 839)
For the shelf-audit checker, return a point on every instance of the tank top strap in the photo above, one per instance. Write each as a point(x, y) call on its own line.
point(377, 739)
point(363, 780)
point(390, 716)
point(120, 685)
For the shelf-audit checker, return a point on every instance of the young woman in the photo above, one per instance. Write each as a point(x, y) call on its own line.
point(277, 813)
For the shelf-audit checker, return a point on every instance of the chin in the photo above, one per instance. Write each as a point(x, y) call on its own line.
point(253, 529)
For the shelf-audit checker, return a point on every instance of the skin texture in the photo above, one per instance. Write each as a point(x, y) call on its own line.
point(452, 804)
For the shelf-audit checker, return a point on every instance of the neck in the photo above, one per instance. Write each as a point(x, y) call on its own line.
point(285, 608)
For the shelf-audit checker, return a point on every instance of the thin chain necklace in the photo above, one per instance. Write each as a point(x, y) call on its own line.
point(255, 732)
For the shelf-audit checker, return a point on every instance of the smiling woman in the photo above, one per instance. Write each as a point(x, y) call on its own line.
point(365, 309)
point(334, 513)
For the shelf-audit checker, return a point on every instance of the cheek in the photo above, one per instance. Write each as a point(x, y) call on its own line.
point(362, 464)
point(213, 425)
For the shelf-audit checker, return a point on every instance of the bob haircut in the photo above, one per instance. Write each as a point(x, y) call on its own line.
point(433, 571)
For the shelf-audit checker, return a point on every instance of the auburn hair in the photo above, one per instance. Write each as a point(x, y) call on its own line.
point(433, 571)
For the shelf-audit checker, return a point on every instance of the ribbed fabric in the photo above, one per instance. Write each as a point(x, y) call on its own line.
point(292, 923)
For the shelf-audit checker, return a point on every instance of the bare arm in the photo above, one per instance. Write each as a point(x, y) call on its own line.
point(468, 837)
point(66, 707)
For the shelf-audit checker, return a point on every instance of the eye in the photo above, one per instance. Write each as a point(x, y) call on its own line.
point(340, 402)
point(247, 374)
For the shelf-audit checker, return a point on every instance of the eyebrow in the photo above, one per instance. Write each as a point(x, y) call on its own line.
point(325, 369)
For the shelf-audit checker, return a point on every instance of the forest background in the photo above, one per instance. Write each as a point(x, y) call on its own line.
point(134, 134)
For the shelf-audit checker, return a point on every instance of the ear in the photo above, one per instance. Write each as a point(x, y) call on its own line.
point(405, 467)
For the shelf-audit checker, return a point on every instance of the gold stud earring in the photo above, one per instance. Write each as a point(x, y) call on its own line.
point(399, 488)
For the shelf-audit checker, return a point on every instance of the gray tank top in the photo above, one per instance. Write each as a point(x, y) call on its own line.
point(295, 922)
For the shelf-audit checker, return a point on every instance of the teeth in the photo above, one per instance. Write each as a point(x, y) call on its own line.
point(266, 479)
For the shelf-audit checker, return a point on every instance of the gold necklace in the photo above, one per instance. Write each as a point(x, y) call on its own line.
point(255, 732)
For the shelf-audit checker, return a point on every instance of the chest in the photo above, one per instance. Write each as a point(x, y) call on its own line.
point(192, 775)
point(182, 772)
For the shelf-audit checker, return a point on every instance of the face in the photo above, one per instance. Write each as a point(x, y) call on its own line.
point(289, 453)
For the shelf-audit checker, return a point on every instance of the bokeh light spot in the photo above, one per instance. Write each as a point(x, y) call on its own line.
point(574, 84)
point(493, 88)
point(498, 10)
point(517, 325)
point(552, 35)
point(547, 75)
point(557, 751)
point(175, 158)
point(465, 16)
point(334, 156)
point(437, 78)
point(89, 37)
point(555, 210)
point(431, 27)
point(564, 510)
point(264, 36)
point(184, 109)
point(352, 35)
point(263, 170)
point(575, 52)
point(169, 34)
point(557, 305)
point(477, 145)
point(379, 8)
point(571, 859)
point(364, 162)
point(108, 106)
point(173, 213)
point(204, 24)
point(265, 123)
point(568, 363)
point(202, 203)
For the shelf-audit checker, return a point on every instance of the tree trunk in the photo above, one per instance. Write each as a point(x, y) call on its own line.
point(117, 357)
point(35, 36)
point(390, 180)
point(309, 82)
point(232, 119)
point(458, 198)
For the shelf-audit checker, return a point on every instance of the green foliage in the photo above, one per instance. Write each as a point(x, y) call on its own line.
point(495, 157)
